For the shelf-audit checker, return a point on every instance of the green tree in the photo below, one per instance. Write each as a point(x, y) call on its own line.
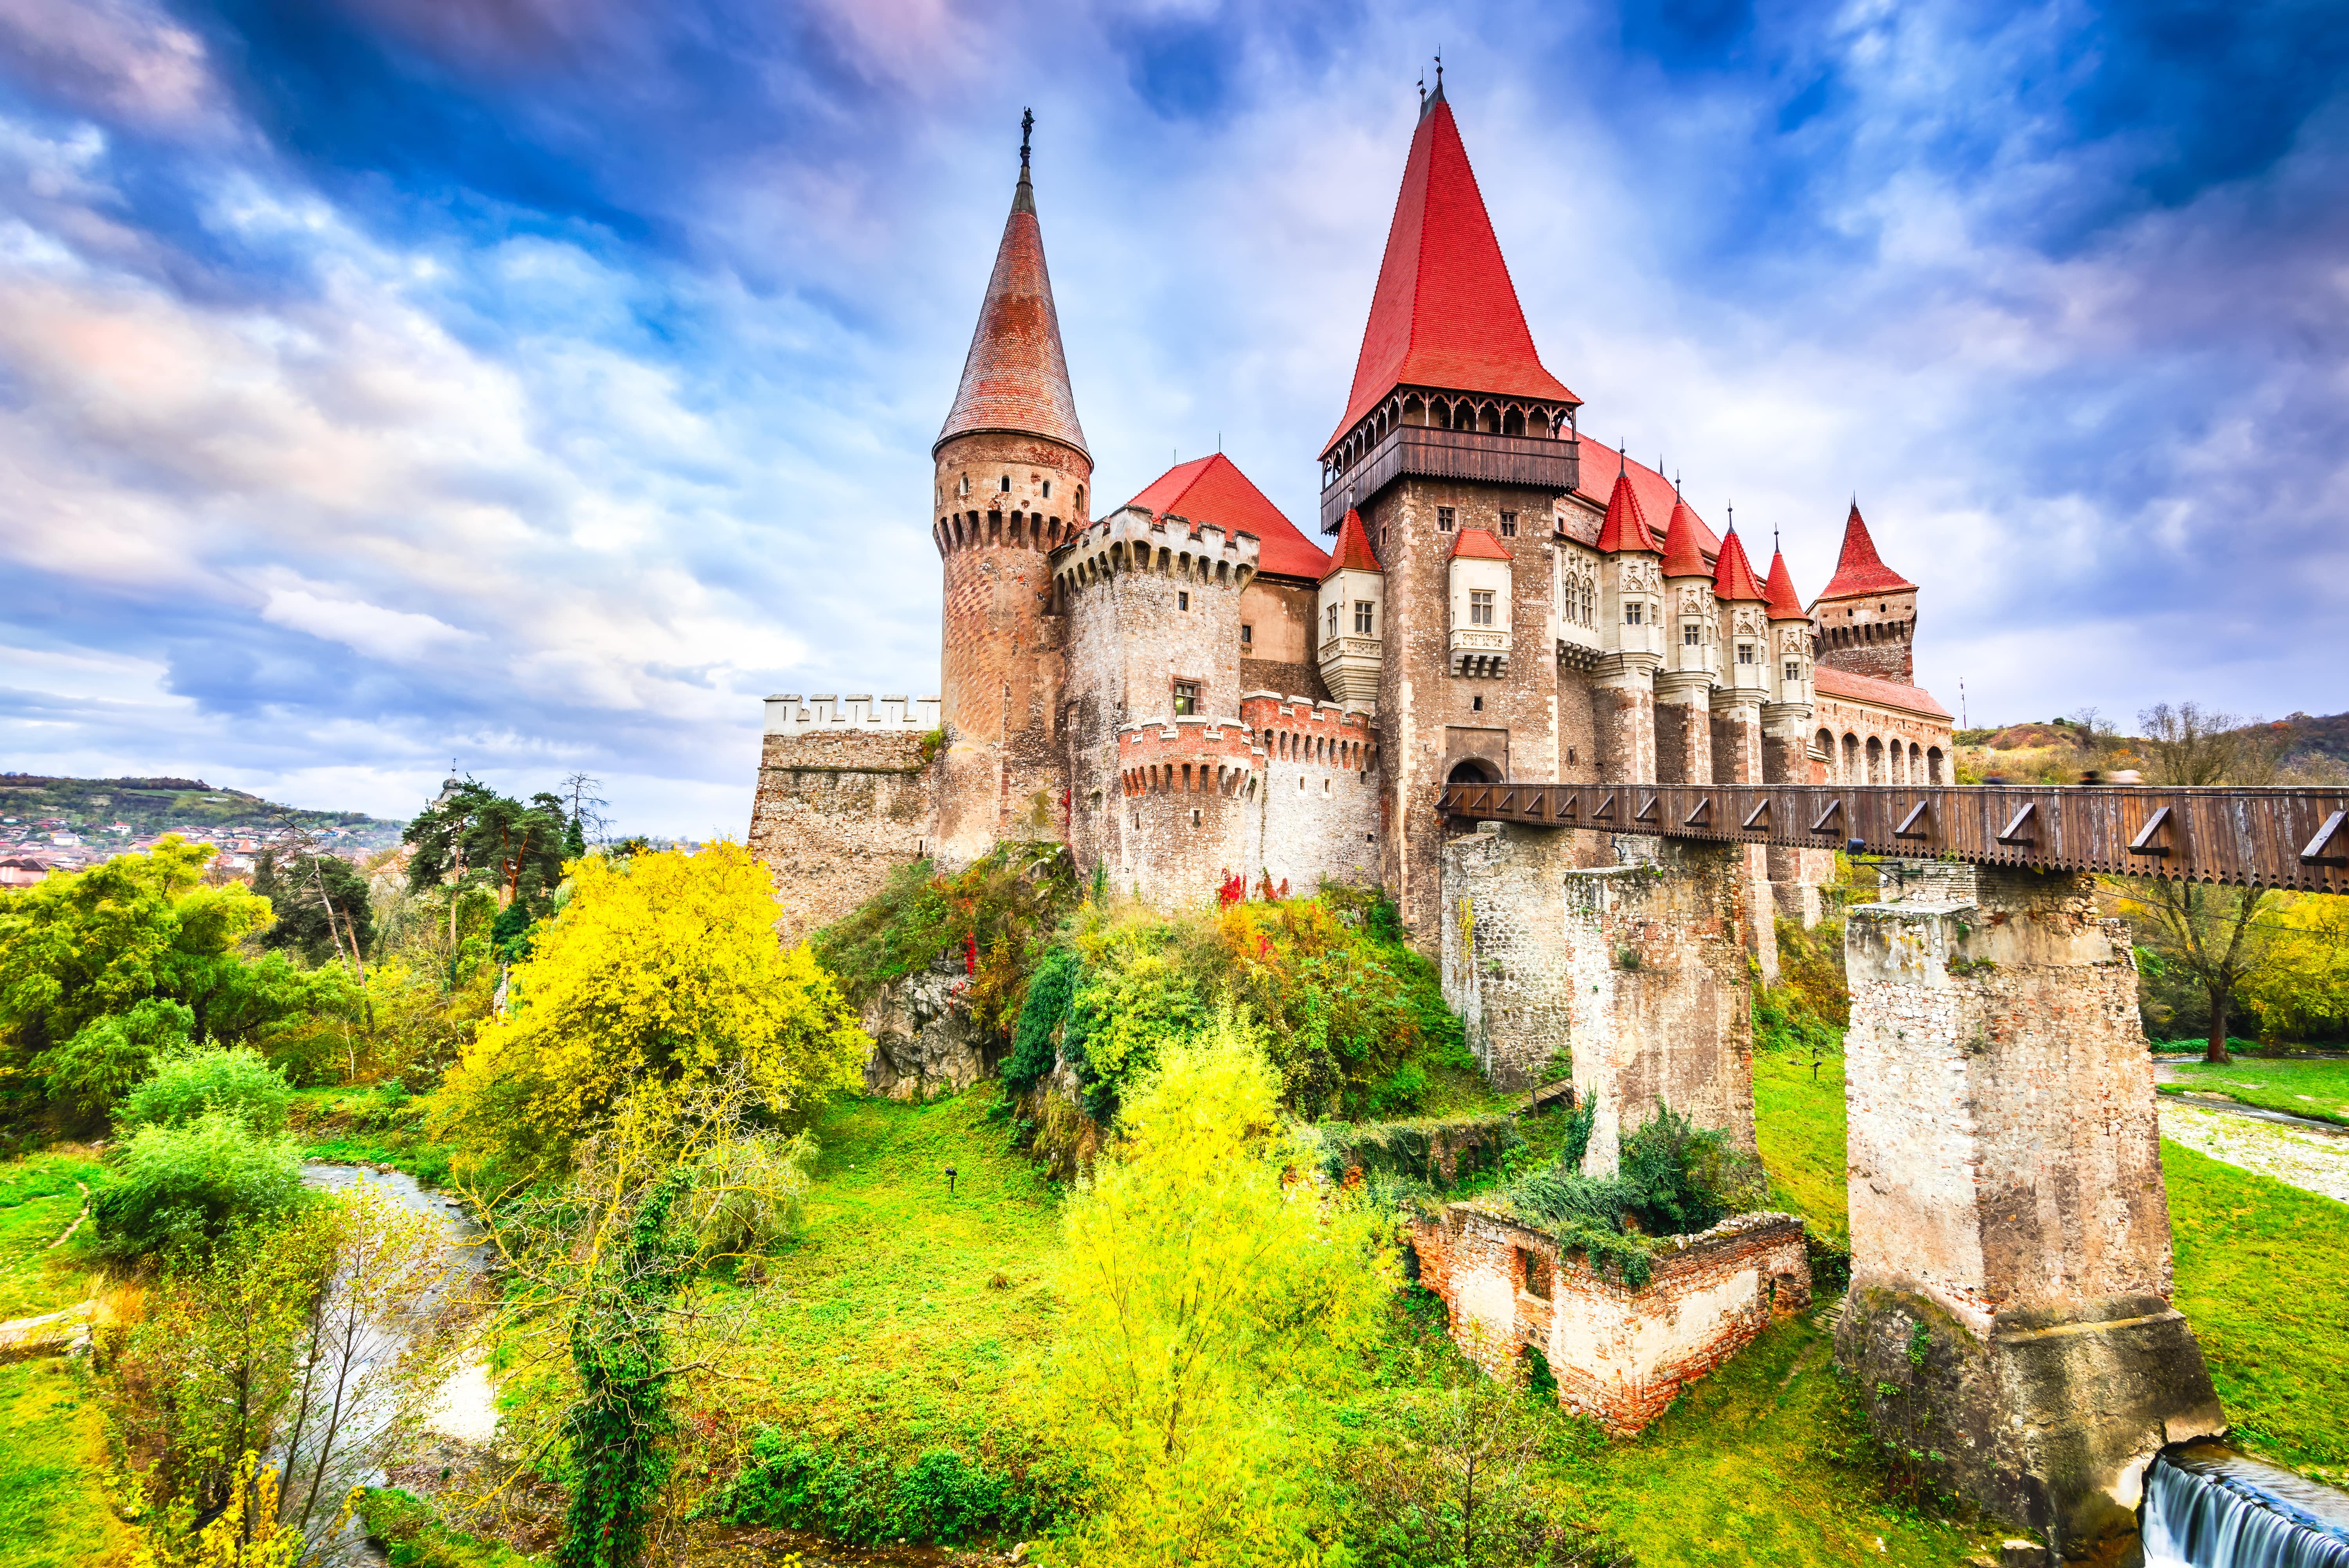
point(233, 1079)
point(1215, 1294)
point(184, 1189)
point(2211, 935)
point(321, 904)
point(108, 1057)
point(471, 832)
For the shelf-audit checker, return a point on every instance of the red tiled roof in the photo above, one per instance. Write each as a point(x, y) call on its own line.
point(1785, 605)
point(1859, 570)
point(1683, 557)
point(1212, 489)
point(1477, 544)
point(1353, 552)
point(1654, 492)
point(1445, 314)
point(1833, 682)
point(1016, 376)
point(1626, 527)
point(1732, 575)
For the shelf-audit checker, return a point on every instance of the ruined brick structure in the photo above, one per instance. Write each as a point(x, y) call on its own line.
point(1185, 689)
point(1620, 1355)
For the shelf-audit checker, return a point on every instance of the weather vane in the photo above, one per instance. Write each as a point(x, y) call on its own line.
point(1027, 125)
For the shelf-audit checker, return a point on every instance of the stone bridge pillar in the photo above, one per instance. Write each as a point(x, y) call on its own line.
point(1638, 969)
point(2010, 1313)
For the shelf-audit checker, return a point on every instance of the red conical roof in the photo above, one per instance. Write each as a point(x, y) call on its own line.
point(1732, 575)
point(1354, 552)
point(1445, 314)
point(1859, 570)
point(1626, 527)
point(1212, 489)
point(1785, 603)
point(1683, 556)
point(1016, 376)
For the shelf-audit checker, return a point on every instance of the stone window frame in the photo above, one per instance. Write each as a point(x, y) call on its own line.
point(1365, 626)
point(1248, 635)
point(1508, 525)
point(1744, 653)
point(1534, 1273)
point(1445, 519)
point(1185, 688)
point(1480, 606)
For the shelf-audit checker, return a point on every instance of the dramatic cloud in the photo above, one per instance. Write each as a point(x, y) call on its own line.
point(538, 384)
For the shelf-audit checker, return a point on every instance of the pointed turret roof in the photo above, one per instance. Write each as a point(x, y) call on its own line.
point(1445, 314)
point(1354, 552)
point(1016, 376)
point(1212, 489)
point(1626, 527)
point(1683, 555)
point(1478, 544)
point(1785, 603)
point(1859, 570)
point(1732, 575)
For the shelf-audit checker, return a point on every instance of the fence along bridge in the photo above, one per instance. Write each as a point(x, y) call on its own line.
point(2276, 838)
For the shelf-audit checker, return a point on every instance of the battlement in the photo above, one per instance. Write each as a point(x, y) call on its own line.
point(1190, 753)
point(1133, 539)
point(791, 714)
point(1298, 729)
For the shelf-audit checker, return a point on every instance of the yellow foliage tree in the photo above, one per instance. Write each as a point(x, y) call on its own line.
point(2304, 985)
point(661, 976)
point(1215, 1292)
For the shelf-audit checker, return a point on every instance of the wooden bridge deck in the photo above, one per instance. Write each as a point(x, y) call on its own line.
point(2281, 838)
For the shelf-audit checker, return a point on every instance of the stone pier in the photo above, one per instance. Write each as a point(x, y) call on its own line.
point(2009, 1316)
point(1638, 970)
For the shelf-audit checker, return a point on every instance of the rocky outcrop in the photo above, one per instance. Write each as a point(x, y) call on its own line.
point(923, 1041)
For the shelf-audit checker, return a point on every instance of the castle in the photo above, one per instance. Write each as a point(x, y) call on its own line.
point(1185, 688)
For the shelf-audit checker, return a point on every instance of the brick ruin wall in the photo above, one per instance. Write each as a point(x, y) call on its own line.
point(1621, 1356)
point(835, 811)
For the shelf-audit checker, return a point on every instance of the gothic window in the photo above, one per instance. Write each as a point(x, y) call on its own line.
point(1361, 617)
point(1444, 519)
point(1589, 610)
point(1508, 525)
point(1793, 672)
point(1186, 696)
point(1480, 606)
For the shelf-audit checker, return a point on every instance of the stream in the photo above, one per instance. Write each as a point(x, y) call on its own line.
point(2206, 1506)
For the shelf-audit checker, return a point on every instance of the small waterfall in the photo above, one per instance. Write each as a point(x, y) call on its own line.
point(2206, 1506)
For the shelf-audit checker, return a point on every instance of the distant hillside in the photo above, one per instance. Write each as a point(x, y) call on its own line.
point(2314, 737)
point(30, 803)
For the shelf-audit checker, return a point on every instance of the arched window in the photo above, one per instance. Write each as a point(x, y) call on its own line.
point(1933, 766)
point(1513, 423)
point(1875, 760)
point(1851, 773)
point(1474, 770)
point(1825, 741)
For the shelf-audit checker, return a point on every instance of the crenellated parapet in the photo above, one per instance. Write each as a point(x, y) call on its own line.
point(1135, 539)
point(791, 714)
point(1298, 729)
point(1188, 755)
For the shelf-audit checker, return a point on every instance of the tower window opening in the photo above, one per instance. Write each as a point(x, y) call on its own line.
point(1048, 489)
point(1476, 704)
point(1480, 607)
point(1248, 635)
point(1182, 601)
point(1361, 617)
point(1444, 519)
point(1744, 653)
point(1570, 755)
point(1333, 622)
point(1195, 816)
point(1508, 525)
point(1793, 672)
point(1186, 696)
point(1005, 486)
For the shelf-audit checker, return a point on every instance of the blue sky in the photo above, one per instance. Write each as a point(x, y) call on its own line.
point(536, 383)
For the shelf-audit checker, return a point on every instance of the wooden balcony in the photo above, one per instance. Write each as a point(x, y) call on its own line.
point(1532, 462)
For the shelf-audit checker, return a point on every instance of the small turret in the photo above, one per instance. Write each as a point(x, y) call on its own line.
point(1866, 619)
point(1635, 591)
point(1353, 618)
point(1790, 636)
point(1745, 661)
point(1688, 590)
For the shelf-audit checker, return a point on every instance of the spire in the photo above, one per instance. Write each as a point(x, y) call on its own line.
point(1016, 376)
point(1445, 314)
point(1785, 603)
point(1626, 527)
point(1353, 552)
point(1859, 570)
point(1732, 575)
point(1684, 553)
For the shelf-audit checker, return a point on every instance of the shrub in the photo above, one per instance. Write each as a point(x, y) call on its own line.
point(1672, 1179)
point(108, 1055)
point(184, 1187)
point(1035, 1039)
point(236, 1080)
point(752, 1192)
point(863, 1499)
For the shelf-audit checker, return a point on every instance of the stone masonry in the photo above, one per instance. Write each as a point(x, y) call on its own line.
point(1619, 1354)
point(2010, 1266)
point(844, 797)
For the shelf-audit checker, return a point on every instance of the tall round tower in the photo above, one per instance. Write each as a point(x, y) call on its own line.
point(1013, 473)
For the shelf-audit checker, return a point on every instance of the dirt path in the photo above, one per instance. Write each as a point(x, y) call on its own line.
point(2299, 1155)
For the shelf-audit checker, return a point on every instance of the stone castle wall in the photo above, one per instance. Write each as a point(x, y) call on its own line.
point(1319, 809)
point(1188, 791)
point(838, 808)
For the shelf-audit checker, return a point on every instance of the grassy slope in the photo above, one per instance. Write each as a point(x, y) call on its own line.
point(2312, 1088)
point(2259, 1269)
point(53, 1511)
point(2259, 1266)
point(38, 1201)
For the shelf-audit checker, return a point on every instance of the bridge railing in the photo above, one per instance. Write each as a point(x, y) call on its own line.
point(2288, 837)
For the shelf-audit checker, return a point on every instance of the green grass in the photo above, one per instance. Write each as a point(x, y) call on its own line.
point(53, 1506)
point(2317, 1089)
point(412, 1538)
point(1799, 1127)
point(2259, 1269)
point(367, 1126)
point(38, 1201)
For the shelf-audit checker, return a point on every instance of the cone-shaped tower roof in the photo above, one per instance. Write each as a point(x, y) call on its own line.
point(1445, 314)
point(1212, 489)
point(1626, 527)
point(1683, 555)
point(1785, 603)
point(1859, 570)
point(1732, 575)
point(1353, 552)
point(1016, 376)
